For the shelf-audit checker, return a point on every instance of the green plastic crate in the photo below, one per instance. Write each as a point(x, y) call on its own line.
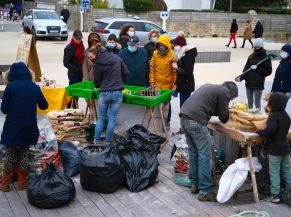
point(85, 89)
point(135, 99)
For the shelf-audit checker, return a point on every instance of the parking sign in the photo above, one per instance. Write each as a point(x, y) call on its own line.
point(85, 3)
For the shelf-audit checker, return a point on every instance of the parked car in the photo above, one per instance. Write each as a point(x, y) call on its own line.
point(106, 26)
point(45, 23)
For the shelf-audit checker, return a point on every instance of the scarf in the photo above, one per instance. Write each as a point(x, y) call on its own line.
point(179, 53)
point(79, 53)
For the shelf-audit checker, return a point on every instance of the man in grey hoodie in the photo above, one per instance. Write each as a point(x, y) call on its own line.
point(209, 100)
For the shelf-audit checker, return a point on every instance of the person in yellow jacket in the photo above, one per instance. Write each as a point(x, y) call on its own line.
point(162, 75)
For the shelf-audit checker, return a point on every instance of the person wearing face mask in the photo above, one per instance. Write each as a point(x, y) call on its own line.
point(126, 32)
point(162, 74)
point(135, 58)
point(112, 44)
point(93, 42)
point(150, 46)
point(282, 80)
point(255, 77)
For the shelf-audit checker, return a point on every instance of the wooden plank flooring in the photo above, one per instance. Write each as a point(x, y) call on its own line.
point(164, 199)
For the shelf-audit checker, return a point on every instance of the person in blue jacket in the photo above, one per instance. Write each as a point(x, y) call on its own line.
point(135, 58)
point(20, 100)
point(282, 80)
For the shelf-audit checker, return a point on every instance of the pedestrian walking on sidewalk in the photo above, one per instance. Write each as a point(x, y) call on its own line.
point(233, 30)
point(248, 34)
point(20, 100)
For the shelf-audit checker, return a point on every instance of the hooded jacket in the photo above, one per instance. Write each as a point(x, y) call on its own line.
point(255, 79)
point(87, 67)
point(258, 30)
point(185, 78)
point(110, 71)
point(209, 100)
point(278, 125)
point(282, 80)
point(20, 100)
point(162, 74)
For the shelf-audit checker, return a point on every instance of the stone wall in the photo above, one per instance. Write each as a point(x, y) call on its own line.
point(194, 24)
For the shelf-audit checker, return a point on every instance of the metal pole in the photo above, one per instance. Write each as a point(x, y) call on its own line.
point(81, 20)
point(230, 6)
point(2, 20)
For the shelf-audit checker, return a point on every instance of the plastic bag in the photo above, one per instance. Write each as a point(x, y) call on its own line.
point(70, 158)
point(100, 169)
point(139, 157)
point(234, 177)
point(51, 189)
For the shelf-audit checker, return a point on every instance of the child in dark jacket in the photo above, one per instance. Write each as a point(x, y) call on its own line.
point(276, 132)
point(20, 100)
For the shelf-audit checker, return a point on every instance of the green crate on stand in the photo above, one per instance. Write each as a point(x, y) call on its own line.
point(134, 98)
point(85, 89)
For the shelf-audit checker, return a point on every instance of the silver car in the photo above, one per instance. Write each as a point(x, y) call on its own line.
point(45, 23)
point(106, 26)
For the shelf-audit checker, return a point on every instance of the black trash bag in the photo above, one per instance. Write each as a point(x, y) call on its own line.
point(139, 157)
point(70, 158)
point(51, 189)
point(101, 170)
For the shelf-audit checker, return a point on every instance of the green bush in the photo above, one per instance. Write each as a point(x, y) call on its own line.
point(73, 2)
point(100, 4)
point(215, 35)
point(137, 5)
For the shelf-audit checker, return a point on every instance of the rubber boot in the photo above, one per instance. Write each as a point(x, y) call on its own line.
point(6, 179)
point(22, 179)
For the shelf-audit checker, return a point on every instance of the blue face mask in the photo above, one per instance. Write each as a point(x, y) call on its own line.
point(111, 45)
point(153, 39)
point(132, 48)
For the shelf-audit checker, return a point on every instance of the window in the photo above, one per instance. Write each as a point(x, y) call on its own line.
point(116, 25)
point(150, 26)
point(139, 26)
point(99, 25)
point(28, 13)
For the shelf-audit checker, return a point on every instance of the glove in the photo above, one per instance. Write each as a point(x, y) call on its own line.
point(237, 79)
point(254, 67)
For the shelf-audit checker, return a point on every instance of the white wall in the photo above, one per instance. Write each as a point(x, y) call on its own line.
point(188, 4)
point(115, 3)
point(174, 4)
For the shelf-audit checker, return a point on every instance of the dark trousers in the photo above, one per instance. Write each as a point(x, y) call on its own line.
point(73, 79)
point(184, 97)
point(249, 41)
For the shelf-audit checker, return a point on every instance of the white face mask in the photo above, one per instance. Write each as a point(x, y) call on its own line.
point(131, 33)
point(284, 54)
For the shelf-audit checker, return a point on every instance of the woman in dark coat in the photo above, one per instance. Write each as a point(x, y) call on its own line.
point(255, 77)
point(20, 100)
point(282, 80)
point(233, 30)
point(126, 32)
point(184, 63)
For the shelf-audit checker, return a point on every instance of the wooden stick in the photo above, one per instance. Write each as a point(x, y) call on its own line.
point(154, 120)
point(163, 121)
point(252, 173)
point(144, 115)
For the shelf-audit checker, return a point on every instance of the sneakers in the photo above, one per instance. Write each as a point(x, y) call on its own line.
point(194, 189)
point(273, 199)
point(211, 197)
point(227, 45)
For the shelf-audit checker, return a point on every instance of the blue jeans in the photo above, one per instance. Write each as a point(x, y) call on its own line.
point(184, 97)
point(109, 104)
point(277, 164)
point(197, 138)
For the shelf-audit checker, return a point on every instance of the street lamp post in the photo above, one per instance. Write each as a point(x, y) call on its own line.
point(230, 6)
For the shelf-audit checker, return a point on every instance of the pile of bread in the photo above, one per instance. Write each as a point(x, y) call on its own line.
point(69, 124)
point(246, 121)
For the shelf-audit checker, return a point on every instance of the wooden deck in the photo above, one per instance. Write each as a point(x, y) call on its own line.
point(165, 198)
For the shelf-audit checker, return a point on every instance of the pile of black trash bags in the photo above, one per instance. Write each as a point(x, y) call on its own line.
point(132, 162)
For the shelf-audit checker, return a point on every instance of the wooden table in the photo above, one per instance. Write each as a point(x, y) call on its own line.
point(245, 139)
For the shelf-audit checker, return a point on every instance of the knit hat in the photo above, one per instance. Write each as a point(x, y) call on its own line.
point(232, 87)
point(180, 41)
point(259, 42)
point(287, 48)
point(94, 37)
